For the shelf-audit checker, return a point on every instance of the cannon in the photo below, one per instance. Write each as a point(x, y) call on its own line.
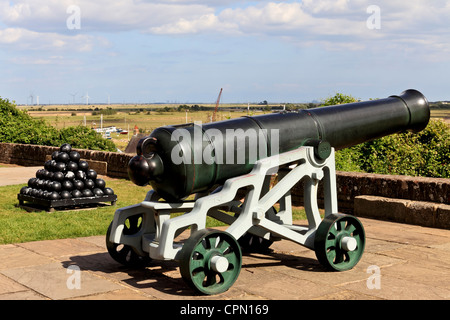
point(240, 172)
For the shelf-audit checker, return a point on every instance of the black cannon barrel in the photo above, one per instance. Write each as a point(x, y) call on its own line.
point(181, 160)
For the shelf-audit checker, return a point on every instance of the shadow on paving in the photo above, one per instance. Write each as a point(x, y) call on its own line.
point(165, 277)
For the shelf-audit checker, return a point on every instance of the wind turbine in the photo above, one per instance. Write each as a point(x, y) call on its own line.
point(73, 96)
point(87, 98)
point(31, 98)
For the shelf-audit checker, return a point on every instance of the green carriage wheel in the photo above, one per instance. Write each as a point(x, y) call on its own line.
point(252, 243)
point(210, 261)
point(339, 242)
point(124, 254)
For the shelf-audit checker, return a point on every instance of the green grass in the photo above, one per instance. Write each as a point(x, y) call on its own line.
point(19, 225)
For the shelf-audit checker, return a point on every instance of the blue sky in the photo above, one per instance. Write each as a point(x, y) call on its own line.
point(184, 51)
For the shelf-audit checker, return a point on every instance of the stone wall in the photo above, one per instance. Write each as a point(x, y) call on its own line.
point(415, 200)
point(112, 164)
point(353, 184)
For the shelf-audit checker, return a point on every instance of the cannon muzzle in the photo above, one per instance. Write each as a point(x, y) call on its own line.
point(181, 160)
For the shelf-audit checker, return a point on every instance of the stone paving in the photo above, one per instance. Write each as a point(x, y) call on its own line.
point(401, 262)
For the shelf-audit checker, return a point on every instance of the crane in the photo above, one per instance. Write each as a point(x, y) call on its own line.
point(217, 106)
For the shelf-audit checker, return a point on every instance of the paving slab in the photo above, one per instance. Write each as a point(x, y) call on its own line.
point(401, 262)
point(11, 175)
point(412, 262)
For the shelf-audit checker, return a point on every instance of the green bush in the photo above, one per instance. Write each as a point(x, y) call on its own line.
point(84, 138)
point(19, 127)
point(338, 98)
point(426, 153)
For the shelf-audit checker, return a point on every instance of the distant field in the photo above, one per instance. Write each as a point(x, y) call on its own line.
point(443, 114)
point(146, 117)
point(141, 116)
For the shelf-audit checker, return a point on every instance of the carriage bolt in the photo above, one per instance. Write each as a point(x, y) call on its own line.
point(349, 243)
point(219, 264)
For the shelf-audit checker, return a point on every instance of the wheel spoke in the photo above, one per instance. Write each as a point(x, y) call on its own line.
point(353, 254)
point(331, 255)
point(210, 280)
point(333, 232)
point(226, 276)
point(233, 259)
point(195, 264)
point(339, 256)
point(223, 246)
point(200, 249)
point(330, 244)
point(350, 228)
point(198, 277)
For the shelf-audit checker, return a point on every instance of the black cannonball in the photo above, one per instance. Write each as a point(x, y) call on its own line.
point(87, 193)
point(83, 165)
point(24, 190)
point(63, 157)
point(45, 194)
point(56, 186)
point(46, 185)
point(72, 166)
point(32, 182)
point(48, 165)
point(65, 148)
point(91, 174)
point(80, 175)
point(74, 156)
point(34, 192)
point(54, 195)
point(60, 166)
point(55, 155)
point(67, 185)
point(40, 193)
point(53, 165)
point(100, 183)
point(50, 175)
point(98, 192)
point(39, 173)
point(108, 191)
point(90, 184)
point(78, 184)
point(69, 175)
point(65, 194)
point(58, 176)
point(76, 194)
point(39, 183)
point(45, 174)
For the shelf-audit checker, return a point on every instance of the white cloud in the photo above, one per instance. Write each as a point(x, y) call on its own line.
point(23, 39)
point(329, 23)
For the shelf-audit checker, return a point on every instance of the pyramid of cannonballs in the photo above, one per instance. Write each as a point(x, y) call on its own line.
point(65, 177)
